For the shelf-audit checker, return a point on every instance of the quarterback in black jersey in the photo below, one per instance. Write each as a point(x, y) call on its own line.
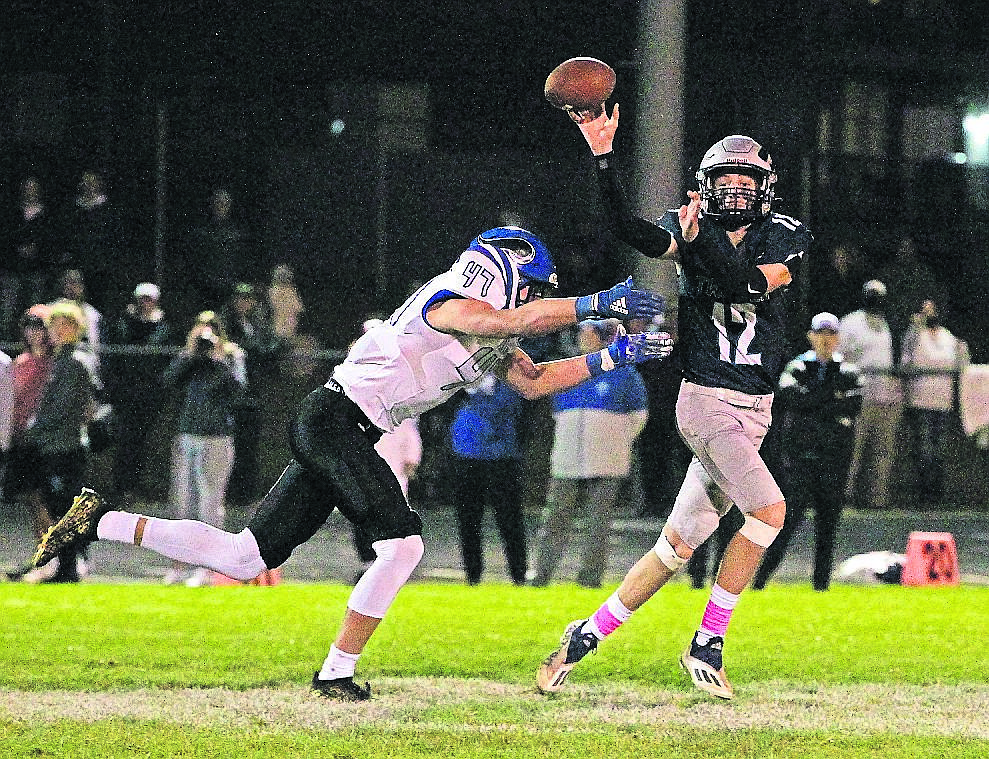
point(735, 258)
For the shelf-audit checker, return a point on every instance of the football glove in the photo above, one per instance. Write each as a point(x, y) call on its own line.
point(630, 349)
point(620, 302)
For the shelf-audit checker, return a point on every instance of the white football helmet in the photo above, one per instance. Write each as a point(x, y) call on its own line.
point(730, 206)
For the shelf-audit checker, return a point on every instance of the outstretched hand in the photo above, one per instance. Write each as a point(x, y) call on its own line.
point(639, 347)
point(599, 131)
point(688, 216)
point(621, 302)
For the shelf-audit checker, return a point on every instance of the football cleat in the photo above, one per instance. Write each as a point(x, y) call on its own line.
point(340, 689)
point(705, 667)
point(75, 529)
point(574, 646)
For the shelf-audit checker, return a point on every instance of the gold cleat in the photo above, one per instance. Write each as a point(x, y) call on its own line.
point(77, 527)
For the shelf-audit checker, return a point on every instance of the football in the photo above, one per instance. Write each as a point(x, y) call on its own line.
point(580, 86)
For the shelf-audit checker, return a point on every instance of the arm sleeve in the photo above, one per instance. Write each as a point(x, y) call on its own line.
point(647, 238)
point(738, 280)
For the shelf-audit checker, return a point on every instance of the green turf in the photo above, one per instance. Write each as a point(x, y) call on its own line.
point(133, 638)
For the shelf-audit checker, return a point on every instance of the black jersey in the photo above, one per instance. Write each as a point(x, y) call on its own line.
point(722, 343)
point(740, 346)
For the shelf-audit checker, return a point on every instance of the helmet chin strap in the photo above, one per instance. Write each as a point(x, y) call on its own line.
point(730, 224)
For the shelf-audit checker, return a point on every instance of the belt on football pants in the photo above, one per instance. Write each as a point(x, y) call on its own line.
point(734, 397)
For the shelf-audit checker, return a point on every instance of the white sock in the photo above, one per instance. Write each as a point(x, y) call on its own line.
point(118, 526)
point(338, 664)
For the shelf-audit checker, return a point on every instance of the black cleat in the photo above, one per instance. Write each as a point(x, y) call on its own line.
point(76, 529)
point(341, 689)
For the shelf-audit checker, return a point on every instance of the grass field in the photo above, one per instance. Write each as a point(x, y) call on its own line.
point(149, 671)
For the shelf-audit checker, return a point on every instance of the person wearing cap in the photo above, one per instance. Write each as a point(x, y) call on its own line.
point(134, 384)
point(867, 342)
point(597, 423)
point(821, 394)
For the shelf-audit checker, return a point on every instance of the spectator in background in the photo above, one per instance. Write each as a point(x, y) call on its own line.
point(28, 259)
point(220, 251)
point(486, 469)
point(72, 288)
point(909, 281)
point(22, 476)
point(838, 278)
point(63, 411)
point(135, 385)
point(821, 394)
point(205, 373)
point(94, 239)
point(597, 423)
point(866, 340)
point(285, 303)
point(931, 361)
point(247, 325)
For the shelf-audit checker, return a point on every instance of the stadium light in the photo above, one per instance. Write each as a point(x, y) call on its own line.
point(976, 126)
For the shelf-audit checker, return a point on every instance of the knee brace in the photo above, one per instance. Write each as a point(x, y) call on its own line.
point(758, 532)
point(668, 555)
point(375, 591)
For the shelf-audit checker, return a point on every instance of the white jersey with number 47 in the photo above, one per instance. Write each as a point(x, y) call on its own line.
point(404, 367)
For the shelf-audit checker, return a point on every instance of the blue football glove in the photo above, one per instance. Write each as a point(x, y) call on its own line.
point(620, 302)
point(630, 349)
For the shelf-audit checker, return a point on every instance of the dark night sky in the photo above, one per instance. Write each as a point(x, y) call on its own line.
point(485, 62)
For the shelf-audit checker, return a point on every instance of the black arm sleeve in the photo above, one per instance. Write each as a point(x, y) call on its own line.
point(741, 282)
point(649, 239)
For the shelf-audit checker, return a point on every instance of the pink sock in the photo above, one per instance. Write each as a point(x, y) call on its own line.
point(717, 614)
point(608, 618)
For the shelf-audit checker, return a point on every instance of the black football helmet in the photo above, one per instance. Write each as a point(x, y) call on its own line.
point(734, 207)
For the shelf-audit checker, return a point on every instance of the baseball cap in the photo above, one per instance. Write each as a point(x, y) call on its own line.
point(147, 290)
point(874, 286)
point(824, 321)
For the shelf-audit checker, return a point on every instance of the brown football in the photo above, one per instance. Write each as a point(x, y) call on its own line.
point(580, 84)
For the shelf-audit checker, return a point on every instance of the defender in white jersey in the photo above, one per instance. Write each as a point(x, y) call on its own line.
point(446, 336)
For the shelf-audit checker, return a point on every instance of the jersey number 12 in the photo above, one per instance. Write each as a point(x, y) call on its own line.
point(735, 332)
